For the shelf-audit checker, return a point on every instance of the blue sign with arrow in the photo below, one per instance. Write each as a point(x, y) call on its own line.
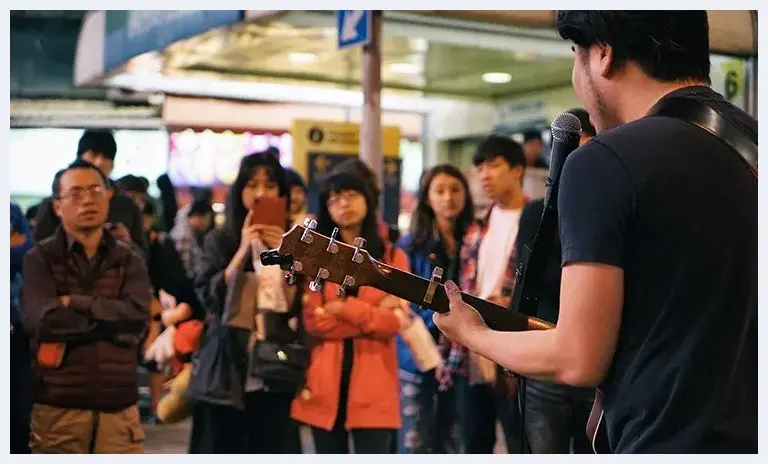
point(353, 28)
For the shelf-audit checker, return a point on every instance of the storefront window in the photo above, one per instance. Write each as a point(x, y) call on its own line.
point(208, 158)
point(37, 154)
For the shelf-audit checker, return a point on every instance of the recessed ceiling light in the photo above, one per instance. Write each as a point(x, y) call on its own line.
point(497, 77)
point(523, 56)
point(405, 68)
point(302, 57)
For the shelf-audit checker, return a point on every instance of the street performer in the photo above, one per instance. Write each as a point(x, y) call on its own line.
point(658, 224)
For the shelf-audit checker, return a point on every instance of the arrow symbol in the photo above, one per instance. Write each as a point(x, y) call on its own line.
point(349, 25)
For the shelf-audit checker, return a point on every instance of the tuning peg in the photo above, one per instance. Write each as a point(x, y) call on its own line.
point(317, 284)
point(309, 224)
point(290, 278)
point(333, 248)
point(348, 282)
point(359, 244)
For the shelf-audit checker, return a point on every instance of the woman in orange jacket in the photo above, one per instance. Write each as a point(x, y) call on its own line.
point(352, 384)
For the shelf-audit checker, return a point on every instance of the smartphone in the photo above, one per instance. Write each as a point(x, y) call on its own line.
point(270, 211)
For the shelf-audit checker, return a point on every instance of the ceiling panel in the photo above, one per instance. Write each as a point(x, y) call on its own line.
point(730, 31)
point(279, 52)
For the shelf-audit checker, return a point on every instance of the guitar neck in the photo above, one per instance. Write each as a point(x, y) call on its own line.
point(412, 288)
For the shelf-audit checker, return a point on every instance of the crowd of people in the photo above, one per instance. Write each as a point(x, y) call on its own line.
point(105, 279)
point(117, 280)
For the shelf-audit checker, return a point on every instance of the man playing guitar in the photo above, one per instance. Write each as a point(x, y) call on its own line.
point(659, 295)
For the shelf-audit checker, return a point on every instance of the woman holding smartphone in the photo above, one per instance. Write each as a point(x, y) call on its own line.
point(230, 283)
point(352, 385)
point(443, 213)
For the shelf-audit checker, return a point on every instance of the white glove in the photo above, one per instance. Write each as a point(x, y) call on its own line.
point(162, 349)
point(166, 301)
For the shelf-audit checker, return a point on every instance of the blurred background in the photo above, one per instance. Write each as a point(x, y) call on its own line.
point(188, 93)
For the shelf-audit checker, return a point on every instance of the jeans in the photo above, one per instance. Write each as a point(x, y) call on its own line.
point(479, 409)
point(428, 418)
point(555, 415)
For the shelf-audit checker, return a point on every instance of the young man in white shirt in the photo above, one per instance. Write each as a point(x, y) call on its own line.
point(488, 271)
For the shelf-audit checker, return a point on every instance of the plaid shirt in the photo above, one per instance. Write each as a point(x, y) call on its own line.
point(455, 354)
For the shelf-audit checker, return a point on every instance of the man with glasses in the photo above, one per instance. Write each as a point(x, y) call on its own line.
point(85, 304)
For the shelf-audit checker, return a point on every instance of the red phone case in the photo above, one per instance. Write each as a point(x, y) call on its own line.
point(270, 211)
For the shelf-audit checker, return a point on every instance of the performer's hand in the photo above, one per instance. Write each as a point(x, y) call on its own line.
point(462, 321)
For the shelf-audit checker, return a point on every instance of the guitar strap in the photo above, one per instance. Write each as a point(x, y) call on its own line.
point(699, 114)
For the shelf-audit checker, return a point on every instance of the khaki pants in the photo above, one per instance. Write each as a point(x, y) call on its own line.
point(76, 431)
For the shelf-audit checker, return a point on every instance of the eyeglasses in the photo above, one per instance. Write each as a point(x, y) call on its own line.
point(348, 196)
point(77, 194)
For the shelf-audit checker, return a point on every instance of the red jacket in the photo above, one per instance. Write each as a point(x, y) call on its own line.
point(374, 391)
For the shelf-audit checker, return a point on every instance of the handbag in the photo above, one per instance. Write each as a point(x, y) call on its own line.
point(218, 372)
point(281, 363)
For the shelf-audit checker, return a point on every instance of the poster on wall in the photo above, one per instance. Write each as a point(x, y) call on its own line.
point(319, 146)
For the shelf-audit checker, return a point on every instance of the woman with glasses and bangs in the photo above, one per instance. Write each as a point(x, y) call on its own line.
point(352, 384)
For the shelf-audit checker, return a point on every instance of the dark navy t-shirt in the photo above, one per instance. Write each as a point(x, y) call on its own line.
point(676, 210)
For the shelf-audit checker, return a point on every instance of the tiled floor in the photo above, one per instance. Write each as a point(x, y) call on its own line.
point(167, 439)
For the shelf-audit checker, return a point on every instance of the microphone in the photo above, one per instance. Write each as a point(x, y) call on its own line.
point(566, 131)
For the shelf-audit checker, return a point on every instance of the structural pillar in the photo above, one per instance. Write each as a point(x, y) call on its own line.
point(370, 129)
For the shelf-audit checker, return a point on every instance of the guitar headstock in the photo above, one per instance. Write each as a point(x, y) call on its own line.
point(320, 258)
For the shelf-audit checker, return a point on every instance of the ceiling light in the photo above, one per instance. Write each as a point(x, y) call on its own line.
point(523, 56)
point(301, 57)
point(497, 77)
point(405, 68)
